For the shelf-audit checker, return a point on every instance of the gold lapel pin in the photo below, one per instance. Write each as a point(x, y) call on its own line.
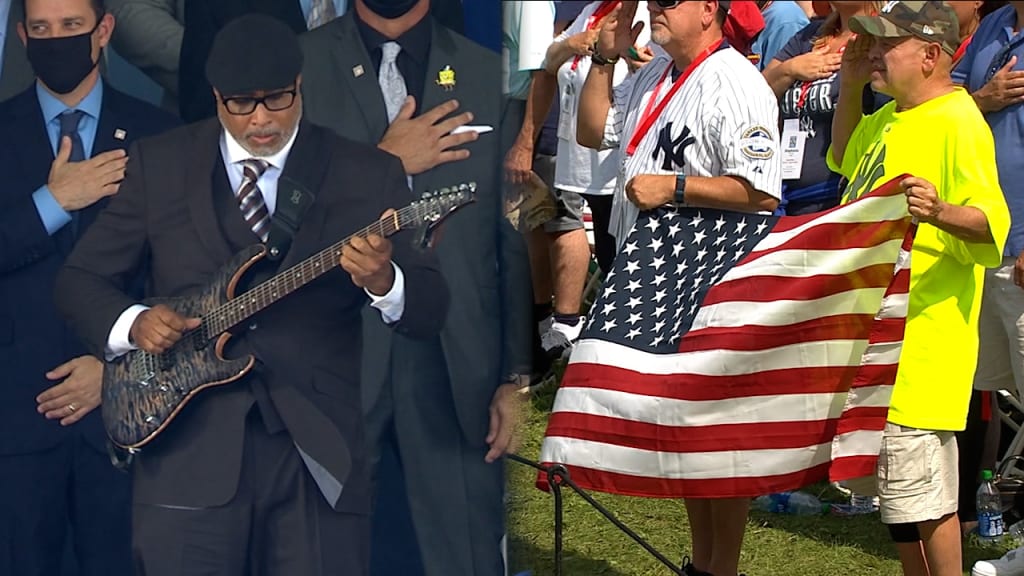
point(357, 70)
point(446, 79)
point(120, 134)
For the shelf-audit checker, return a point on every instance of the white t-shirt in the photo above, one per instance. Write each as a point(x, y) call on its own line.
point(527, 30)
point(579, 169)
point(723, 121)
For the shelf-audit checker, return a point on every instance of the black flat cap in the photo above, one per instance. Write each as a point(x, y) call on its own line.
point(251, 53)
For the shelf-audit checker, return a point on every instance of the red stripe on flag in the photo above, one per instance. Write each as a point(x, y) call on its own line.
point(695, 388)
point(687, 439)
point(863, 418)
point(842, 327)
point(890, 188)
point(849, 467)
point(836, 236)
point(690, 488)
point(770, 288)
point(818, 330)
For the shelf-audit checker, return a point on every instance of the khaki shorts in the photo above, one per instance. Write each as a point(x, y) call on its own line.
point(916, 475)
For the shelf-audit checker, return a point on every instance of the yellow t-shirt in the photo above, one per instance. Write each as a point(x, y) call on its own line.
point(946, 142)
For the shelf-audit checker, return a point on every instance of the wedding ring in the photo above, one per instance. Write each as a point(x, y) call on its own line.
point(72, 407)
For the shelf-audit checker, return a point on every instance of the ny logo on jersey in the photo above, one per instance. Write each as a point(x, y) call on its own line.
point(672, 148)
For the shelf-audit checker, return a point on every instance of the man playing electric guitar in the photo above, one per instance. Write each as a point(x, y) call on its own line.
point(267, 473)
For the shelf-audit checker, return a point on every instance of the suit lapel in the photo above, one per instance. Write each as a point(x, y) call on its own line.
point(34, 152)
point(204, 153)
point(107, 129)
point(307, 164)
point(351, 56)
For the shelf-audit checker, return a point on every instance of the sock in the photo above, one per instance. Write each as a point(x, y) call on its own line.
point(567, 319)
point(541, 311)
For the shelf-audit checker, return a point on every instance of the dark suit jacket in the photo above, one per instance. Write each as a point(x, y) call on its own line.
point(33, 337)
point(17, 72)
point(204, 18)
point(308, 344)
point(487, 332)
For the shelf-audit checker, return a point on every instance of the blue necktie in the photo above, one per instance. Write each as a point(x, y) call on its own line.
point(69, 122)
point(69, 127)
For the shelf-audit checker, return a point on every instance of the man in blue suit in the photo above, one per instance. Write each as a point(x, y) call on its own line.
point(62, 153)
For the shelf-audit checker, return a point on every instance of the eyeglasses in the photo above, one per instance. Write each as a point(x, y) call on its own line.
point(667, 4)
point(275, 102)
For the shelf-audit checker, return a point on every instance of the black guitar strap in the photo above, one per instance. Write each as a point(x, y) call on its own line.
point(293, 201)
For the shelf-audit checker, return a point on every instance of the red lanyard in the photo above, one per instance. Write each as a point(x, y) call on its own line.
point(962, 49)
point(652, 111)
point(603, 10)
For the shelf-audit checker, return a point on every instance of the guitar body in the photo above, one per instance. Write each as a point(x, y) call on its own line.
point(143, 392)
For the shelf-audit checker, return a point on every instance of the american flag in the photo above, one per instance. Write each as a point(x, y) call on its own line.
point(734, 354)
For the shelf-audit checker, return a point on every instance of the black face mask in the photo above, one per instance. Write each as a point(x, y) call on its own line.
point(61, 63)
point(390, 9)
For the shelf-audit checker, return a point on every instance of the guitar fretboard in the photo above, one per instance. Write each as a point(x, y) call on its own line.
point(239, 309)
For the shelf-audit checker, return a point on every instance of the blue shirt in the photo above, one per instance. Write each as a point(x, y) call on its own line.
point(782, 20)
point(5, 10)
point(339, 7)
point(54, 217)
point(991, 48)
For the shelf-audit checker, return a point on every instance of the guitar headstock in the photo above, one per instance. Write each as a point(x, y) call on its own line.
point(433, 207)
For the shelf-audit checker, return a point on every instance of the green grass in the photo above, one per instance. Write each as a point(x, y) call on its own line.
point(774, 545)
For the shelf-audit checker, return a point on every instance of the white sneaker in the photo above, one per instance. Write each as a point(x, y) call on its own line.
point(559, 339)
point(1011, 564)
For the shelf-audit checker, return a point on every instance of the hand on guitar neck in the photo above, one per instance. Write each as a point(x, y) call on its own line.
point(158, 328)
point(369, 261)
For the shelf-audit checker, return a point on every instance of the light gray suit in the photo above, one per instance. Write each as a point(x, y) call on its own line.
point(17, 74)
point(434, 397)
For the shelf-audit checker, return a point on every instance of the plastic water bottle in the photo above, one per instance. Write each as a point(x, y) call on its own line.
point(990, 508)
point(796, 503)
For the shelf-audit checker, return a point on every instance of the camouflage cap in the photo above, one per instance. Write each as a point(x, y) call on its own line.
point(930, 20)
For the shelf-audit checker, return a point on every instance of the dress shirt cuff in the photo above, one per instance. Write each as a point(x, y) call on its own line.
point(119, 340)
point(392, 304)
point(54, 217)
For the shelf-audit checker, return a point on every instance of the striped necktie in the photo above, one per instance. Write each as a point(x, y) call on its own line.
point(250, 198)
point(320, 12)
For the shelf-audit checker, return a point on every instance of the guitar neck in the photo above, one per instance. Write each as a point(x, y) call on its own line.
point(244, 306)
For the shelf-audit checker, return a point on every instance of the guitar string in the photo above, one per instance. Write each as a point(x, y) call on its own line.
point(230, 314)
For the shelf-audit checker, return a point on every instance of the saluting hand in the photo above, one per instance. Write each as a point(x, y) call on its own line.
point(369, 262)
point(856, 66)
point(618, 32)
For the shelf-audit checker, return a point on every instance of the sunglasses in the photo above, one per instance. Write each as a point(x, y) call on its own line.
point(666, 4)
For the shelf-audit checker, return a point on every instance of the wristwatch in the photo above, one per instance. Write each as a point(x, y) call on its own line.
point(596, 57)
point(680, 193)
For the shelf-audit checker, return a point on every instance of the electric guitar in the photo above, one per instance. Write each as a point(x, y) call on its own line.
point(143, 392)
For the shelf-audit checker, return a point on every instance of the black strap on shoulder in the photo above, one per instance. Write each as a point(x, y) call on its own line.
point(293, 200)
